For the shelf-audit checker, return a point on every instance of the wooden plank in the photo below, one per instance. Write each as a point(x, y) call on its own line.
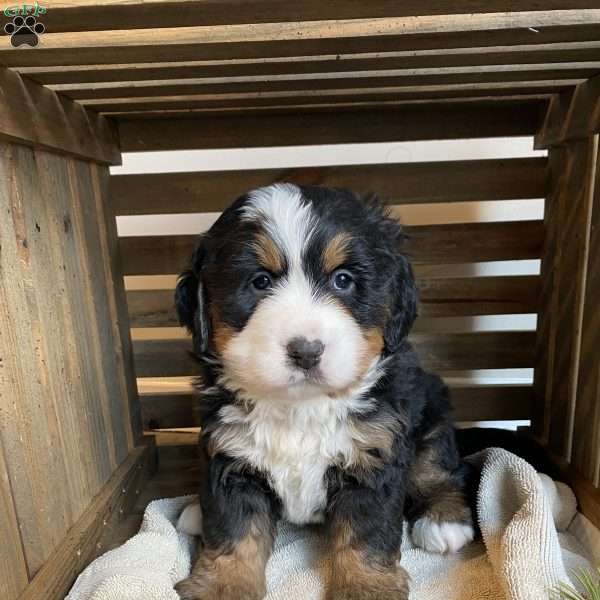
point(84, 15)
point(377, 82)
point(571, 115)
point(439, 351)
point(586, 432)
point(194, 105)
point(427, 244)
point(513, 58)
point(194, 47)
point(53, 122)
point(328, 128)
point(451, 297)
point(114, 276)
point(406, 183)
point(13, 566)
point(471, 403)
point(79, 546)
point(574, 240)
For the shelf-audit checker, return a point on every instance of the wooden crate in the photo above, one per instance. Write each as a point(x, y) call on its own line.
point(110, 77)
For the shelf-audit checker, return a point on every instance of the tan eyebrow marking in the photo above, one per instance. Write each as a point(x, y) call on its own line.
point(268, 253)
point(335, 254)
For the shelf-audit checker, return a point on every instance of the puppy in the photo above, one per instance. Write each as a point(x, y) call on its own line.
point(313, 405)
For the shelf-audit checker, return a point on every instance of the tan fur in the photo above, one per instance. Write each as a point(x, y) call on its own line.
point(268, 253)
point(355, 574)
point(221, 332)
point(235, 575)
point(334, 254)
point(448, 503)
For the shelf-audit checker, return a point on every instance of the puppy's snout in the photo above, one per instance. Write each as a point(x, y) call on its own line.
point(304, 353)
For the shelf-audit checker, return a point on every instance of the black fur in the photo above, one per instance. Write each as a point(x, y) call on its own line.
point(372, 501)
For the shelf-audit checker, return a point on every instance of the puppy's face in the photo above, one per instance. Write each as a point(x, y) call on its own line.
point(298, 290)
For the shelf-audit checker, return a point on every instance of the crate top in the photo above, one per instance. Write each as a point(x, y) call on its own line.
point(148, 59)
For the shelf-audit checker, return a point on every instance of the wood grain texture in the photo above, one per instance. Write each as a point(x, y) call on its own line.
point(334, 128)
point(427, 244)
point(62, 421)
point(586, 431)
point(571, 115)
point(407, 183)
point(451, 297)
point(39, 117)
point(440, 351)
point(471, 403)
point(79, 546)
point(83, 15)
point(571, 263)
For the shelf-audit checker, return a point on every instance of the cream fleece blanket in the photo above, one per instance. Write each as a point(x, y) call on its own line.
point(523, 554)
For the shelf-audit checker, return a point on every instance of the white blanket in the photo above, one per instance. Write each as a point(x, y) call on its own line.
point(523, 554)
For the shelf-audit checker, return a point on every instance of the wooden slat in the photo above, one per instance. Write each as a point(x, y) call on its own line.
point(80, 544)
point(471, 403)
point(53, 122)
point(440, 351)
point(450, 297)
point(407, 183)
point(84, 15)
point(432, 96)
point(329, 128)
point(513, 58)
point(586, 431)
point(374, 81)
point(186, 44)
point(13, 566)
point(571, 115)
point(427, 244)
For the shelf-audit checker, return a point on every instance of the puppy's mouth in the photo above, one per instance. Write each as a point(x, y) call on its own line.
point(310, 376)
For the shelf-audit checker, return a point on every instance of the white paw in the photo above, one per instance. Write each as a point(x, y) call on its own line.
point(190, 520)
point(443, 537)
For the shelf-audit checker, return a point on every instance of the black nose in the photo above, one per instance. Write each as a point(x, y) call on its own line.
point(305, 354)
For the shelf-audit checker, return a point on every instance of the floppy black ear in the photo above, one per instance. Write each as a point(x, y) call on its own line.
point(402, 304)
point(190, 302)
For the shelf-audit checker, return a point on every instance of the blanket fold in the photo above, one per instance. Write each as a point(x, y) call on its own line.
point(523, 553)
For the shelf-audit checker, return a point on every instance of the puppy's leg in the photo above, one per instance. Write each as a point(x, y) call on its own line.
point(438, 510)
point(365, 535)
point(238, 529)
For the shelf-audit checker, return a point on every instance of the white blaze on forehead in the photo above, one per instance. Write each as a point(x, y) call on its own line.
point(287, 217)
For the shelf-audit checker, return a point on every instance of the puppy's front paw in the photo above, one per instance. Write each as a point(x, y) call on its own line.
point(441, 536)
point(389, 584)
point(195, 588)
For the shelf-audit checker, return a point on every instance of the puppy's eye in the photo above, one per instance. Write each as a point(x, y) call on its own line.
point(262, 282)
point(342, 280)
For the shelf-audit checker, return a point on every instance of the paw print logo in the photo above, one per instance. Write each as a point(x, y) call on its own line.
point(24, 31)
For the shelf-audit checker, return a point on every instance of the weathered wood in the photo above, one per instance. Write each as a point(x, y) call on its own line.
point(80, 544)
point(439, 351)
point(427, 244)
point(39, 117)
point(13, 566)
point(407, 183)
point(308, 101)
point(451, 297)
point(572, 265)
point(586, 431)
point(471, 403)
point(492, 39)
point(374, 82)
point(572, 115)
point(531, 58)
point(85, 15)
point(328, 128)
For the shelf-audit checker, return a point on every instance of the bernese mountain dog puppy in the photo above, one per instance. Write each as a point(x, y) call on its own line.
point(314, 407)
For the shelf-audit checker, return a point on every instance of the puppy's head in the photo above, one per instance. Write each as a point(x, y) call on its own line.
point(297, 290)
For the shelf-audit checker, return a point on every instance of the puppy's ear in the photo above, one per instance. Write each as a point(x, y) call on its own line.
point(402, 304)
point(190, 301)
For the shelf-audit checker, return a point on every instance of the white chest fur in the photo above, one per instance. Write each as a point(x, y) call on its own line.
point(293, 444)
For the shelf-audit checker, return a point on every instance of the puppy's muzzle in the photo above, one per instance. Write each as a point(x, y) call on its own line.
point(305, 354)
